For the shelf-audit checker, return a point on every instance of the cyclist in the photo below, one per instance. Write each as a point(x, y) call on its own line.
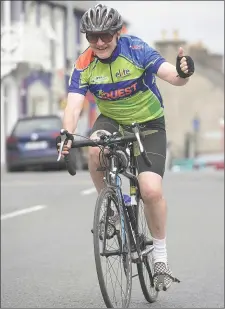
point(120, 71)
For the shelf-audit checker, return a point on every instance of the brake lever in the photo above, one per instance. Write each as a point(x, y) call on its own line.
point(63, 139)
point(135, 129)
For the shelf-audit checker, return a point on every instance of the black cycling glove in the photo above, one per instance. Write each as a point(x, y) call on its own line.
point(190, 64)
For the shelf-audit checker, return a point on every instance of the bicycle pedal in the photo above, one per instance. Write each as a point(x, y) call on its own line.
point(160, 289)
point(160, 283)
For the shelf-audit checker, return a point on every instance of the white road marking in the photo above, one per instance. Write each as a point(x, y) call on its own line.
point(36, 183)
point(88, 191)
point(22, 212)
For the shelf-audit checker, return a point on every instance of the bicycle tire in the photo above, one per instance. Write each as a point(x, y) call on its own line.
point(96, 225)
point(148, 288)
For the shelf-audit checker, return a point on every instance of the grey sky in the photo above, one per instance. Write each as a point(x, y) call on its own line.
point(195, 20)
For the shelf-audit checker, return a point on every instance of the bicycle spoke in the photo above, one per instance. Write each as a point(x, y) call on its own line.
point(114, 271)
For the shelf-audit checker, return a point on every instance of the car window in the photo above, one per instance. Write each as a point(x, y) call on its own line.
point(28, 126)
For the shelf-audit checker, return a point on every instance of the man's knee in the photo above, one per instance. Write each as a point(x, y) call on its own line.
point(151, 187)
point(93, 152)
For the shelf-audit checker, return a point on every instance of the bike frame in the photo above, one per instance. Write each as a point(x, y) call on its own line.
point(127, 213)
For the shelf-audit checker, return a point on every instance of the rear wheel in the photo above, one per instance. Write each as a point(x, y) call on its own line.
point(112, 251)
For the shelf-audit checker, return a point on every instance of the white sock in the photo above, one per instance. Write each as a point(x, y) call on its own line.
point(159, 252)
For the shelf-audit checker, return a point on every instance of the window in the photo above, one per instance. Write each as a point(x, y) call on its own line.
point(59, 16)
point(16, 10)
point(45, 22)
point(78, 19)
point(2, 13)
point(6, 13)
point(77, 41)
point(80, 39)
point(45, 15)
point(30, 10)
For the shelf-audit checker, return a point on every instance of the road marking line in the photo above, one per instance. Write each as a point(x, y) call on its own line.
point(22, 212)
point(88, 191)
point(34, 183)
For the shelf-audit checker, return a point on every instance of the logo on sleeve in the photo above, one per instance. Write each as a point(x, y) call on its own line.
point(137, 47)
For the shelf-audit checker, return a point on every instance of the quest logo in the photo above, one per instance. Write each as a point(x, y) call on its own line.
point(118, 93)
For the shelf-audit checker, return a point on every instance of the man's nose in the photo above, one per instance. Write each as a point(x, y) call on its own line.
point(100, 42)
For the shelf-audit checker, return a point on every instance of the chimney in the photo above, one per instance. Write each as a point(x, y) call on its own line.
point(199, 53)
point(168, 47)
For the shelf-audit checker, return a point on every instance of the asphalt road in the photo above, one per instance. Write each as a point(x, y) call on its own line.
point(47, 254)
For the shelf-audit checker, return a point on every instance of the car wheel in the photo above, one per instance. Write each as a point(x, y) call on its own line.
point(14, 169)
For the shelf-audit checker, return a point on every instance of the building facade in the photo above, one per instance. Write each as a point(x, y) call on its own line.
point(195, 111)
point(40, 41)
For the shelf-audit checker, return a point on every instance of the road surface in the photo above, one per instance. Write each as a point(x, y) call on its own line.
point(47, 252)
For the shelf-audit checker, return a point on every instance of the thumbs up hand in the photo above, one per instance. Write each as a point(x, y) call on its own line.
point(181, 52)
point(184, 65)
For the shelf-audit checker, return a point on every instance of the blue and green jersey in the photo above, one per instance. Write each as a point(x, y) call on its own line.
point(125, 86)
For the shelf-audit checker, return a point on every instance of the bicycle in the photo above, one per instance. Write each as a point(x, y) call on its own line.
point(134, 245)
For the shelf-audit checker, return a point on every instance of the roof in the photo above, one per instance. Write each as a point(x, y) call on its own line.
point(215, 76)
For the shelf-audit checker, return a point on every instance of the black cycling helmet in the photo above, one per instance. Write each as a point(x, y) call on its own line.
point(101, 19)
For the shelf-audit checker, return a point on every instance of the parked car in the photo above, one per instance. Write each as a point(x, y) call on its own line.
point(32, 143)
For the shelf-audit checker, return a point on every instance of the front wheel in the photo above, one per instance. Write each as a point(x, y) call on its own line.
point(112, 250)
point(145, 269)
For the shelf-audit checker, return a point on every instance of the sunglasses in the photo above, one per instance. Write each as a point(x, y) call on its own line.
point(105, 37)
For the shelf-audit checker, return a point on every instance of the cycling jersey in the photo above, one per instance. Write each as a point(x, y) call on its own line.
point(124, 86)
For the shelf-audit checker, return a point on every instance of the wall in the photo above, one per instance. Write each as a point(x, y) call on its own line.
point(202, 96)
point(9, 109)
point(40, 58)
point(81, 5)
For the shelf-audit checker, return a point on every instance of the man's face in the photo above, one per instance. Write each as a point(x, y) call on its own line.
point(102, 44)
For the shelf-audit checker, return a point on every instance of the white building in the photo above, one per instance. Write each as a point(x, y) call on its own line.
point(40, 40)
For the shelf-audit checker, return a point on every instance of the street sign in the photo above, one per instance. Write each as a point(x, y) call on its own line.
point(196, 124)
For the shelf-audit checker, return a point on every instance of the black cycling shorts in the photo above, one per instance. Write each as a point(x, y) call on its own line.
point(155, 142)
